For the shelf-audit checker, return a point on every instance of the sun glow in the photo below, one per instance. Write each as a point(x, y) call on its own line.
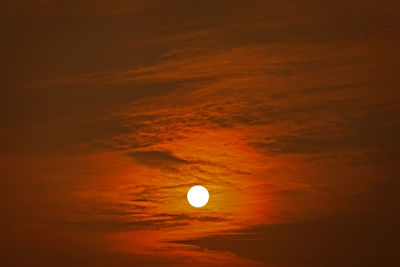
point(198, 196)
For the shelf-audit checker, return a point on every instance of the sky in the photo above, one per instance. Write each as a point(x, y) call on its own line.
point(288, 112)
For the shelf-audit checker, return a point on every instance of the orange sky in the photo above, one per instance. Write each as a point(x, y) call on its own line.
point(287, 112)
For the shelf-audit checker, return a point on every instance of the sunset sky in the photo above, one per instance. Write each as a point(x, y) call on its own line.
point(288, 112)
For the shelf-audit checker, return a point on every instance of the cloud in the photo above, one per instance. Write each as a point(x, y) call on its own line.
point(335, 241)
point(99, 7)
point(116, 220)
point(157, 159)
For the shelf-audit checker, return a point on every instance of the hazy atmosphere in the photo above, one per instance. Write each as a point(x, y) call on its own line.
point(288, 112)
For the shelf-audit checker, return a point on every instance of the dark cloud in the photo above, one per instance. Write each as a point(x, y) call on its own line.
point(183, 216)
point(115, 225)
point(157, 159)
point(65, 248)
point(111, 220)
point(375, 130)
point(337, 241)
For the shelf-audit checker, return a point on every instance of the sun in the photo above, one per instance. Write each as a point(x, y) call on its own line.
point(198, 196)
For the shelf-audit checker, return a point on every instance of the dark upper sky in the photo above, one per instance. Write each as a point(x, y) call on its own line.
point(288, 112)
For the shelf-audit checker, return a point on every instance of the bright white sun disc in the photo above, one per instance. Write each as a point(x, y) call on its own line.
point(198, 196)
